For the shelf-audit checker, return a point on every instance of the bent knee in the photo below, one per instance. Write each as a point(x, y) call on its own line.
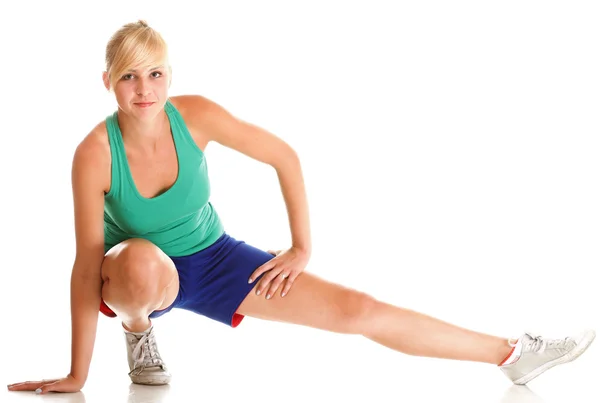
point(136, 264)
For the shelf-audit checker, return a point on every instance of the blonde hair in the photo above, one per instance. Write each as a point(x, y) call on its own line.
point(134, 44)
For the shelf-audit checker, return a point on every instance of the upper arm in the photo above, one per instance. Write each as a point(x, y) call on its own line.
point(219, 125)
point(90, 178)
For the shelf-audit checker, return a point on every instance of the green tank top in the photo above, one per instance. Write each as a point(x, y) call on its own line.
point(180, 221)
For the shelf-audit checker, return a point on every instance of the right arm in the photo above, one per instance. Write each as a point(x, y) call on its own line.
point(90, 178)
point(89, 182)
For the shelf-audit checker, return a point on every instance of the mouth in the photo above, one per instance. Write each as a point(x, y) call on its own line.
point(143, 104)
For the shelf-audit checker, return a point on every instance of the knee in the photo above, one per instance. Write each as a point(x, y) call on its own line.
point(136, 268)
point(355, 309)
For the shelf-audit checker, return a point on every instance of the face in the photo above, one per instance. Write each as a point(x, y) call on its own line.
point(142, 91)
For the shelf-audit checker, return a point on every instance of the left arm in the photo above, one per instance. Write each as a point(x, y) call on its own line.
point(220, 126)
point(257, 143)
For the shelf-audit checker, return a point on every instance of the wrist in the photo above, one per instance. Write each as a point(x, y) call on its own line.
point(79, 379)
point(304, 249)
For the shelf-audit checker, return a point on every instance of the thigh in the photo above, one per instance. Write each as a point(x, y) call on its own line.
point(215, 284)
point(312, 301)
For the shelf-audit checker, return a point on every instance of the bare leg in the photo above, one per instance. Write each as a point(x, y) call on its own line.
point(321, 304)
point(138, 278)
point(418, 334)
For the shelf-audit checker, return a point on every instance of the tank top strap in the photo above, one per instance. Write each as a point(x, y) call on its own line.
point(179, 128)
point(117, 154)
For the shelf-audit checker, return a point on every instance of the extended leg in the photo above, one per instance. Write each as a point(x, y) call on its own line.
point(321, 304)
point(324, 305)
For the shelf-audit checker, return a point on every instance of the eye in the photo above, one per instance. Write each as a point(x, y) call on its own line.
point(127, 77)
point(156, 74)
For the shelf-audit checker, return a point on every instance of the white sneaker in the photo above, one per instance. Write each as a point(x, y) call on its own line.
point(538, 354)
point(145, 364)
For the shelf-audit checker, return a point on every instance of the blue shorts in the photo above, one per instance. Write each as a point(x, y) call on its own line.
point(214, 281)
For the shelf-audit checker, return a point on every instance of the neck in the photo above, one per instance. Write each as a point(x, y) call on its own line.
point(142, 133)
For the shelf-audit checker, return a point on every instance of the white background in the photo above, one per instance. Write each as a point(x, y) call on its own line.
point(450, 153)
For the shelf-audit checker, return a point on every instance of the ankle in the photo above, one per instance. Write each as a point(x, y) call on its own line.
point(137, 326)
point(509, 353)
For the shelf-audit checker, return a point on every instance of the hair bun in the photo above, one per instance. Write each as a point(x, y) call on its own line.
point(143, 23)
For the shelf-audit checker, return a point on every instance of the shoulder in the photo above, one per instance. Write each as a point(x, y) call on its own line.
point(94, 147)
point(192, 107)
point(204, 117)
point(92, 154)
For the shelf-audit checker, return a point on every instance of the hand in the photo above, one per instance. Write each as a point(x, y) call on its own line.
point(285, 266)
point(68, 384)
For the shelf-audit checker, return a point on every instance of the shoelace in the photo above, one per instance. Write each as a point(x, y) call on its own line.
point(538, 344)
point(145, 354)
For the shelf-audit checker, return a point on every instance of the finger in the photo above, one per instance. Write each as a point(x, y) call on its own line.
point(288, 283)
point(272, 252)
point(51, 387)
point(30, 385)
point(276, 283)
point(266, 280)
point(286, 287)
point(262, 269)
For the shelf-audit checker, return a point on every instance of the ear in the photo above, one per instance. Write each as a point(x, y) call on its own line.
point(106, 80)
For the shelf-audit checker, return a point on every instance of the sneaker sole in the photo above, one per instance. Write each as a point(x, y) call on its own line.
point(587, 339)
point(151, 381)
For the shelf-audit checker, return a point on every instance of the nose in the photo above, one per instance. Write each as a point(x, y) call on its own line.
point(143, 88)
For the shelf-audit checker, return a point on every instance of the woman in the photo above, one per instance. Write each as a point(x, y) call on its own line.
point(148, 239)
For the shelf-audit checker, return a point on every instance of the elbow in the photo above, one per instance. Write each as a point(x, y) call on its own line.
point(286, 160)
